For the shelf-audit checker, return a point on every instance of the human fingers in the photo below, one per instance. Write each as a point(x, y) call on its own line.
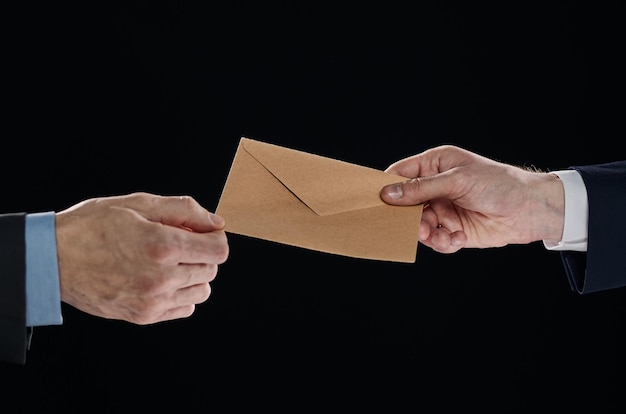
point(185, 274)
point(183, 302)
point(188, 247)
point(439, 229)
point(184, 211)
point(442, 240)
point(194, 294)
point(418, 190)
point(173, 297)
point(184, 231)
point(431, 174)
point(179, 312)
point(178, 211)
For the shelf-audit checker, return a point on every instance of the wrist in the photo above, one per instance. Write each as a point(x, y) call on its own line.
point(550, 208)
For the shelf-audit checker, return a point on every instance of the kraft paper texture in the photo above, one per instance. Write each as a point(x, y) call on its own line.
point(314, 202)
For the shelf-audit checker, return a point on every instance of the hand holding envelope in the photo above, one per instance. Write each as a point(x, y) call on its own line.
point(306, 200)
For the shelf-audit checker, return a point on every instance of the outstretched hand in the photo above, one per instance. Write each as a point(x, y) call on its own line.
point(474, 202)
point(140, 258)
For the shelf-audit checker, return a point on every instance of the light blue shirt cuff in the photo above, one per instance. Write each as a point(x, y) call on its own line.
point(43, 295)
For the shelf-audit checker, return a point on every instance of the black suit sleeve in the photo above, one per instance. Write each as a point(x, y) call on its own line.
point(603, 266)
point(13, 336)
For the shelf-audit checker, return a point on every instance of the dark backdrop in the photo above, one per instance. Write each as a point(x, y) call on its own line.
point(104, 100)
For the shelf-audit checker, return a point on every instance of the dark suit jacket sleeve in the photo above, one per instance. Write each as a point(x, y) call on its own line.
point(13, 336)
point(603, 266)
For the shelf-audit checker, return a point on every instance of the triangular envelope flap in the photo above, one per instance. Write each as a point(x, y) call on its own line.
point(325, 185)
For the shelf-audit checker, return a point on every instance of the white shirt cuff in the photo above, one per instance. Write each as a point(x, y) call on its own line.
point(575, 226)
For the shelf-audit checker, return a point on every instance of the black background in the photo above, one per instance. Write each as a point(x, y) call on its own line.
point(105, 99)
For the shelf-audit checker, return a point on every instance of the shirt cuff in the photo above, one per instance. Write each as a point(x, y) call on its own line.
point(575, 227)
point(43, 295)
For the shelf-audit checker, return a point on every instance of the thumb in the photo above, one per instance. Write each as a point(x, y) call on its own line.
point(414, 191)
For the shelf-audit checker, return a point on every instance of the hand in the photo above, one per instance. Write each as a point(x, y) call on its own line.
point(140, 258)
point(473, 201)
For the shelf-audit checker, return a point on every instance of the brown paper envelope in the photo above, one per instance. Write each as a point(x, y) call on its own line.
point(306, 200)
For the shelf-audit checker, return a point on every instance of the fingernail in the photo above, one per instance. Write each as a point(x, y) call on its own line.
point(394, 191)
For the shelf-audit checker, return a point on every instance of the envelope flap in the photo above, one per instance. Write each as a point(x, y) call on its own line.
point(327, 186)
